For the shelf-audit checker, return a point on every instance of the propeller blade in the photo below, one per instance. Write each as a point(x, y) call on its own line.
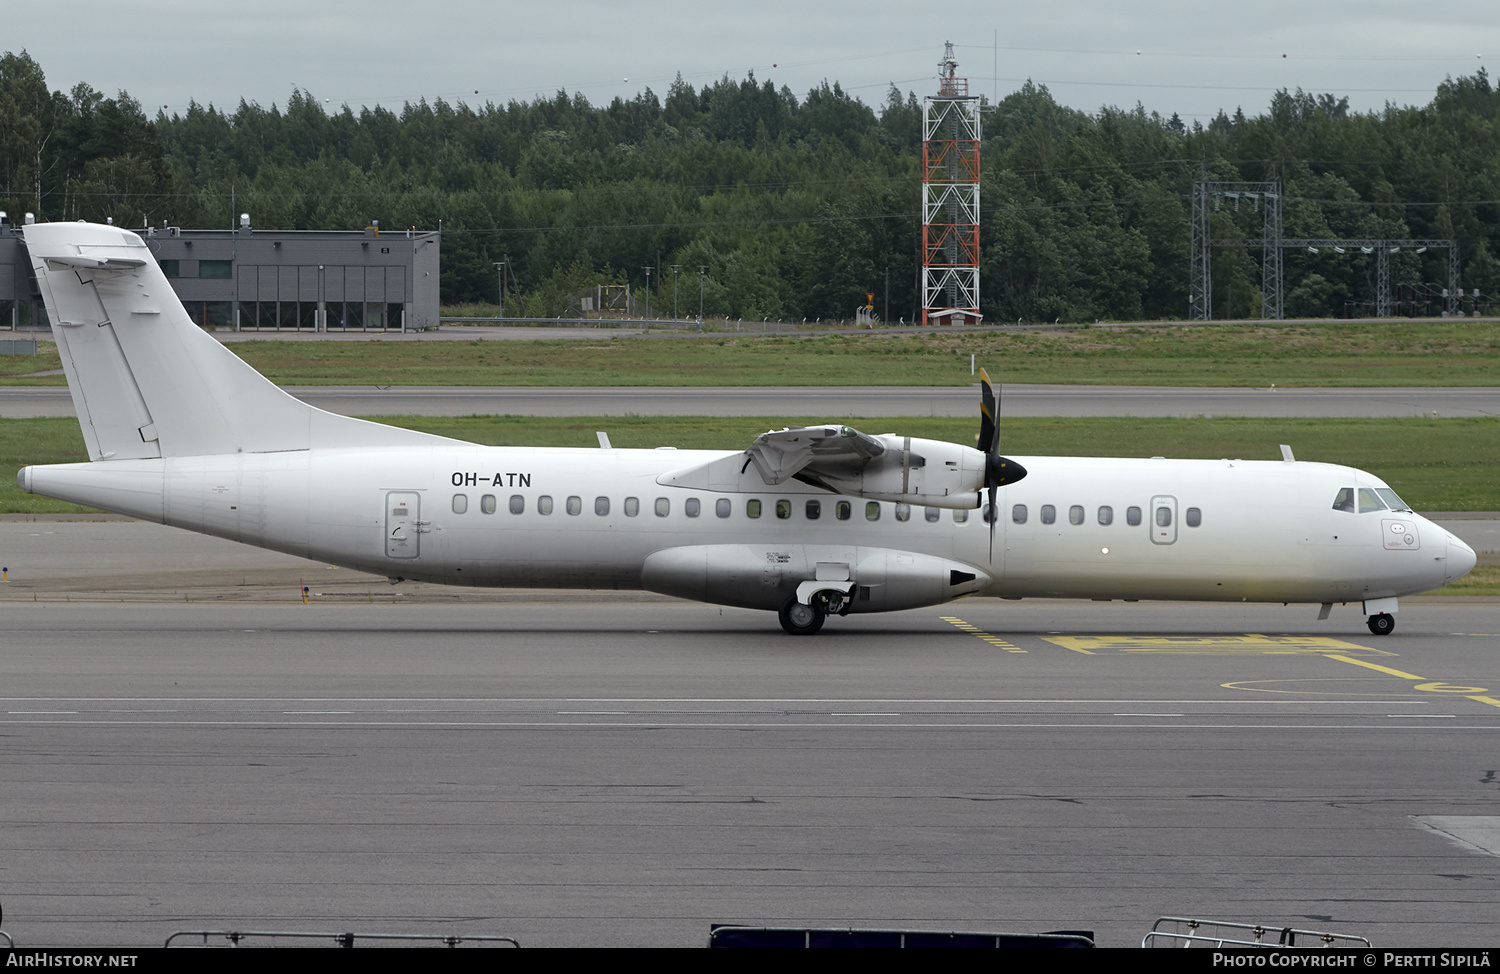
point(998, 470)
point(994, 519)
point(989, 415)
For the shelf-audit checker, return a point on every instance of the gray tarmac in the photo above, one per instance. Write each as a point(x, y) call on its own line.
point(187, 746)
point(847, 401)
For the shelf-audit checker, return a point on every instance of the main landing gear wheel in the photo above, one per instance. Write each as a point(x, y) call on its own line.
point(1381, 624)
point(799, 619)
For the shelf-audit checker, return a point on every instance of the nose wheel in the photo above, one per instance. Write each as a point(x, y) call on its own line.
point(1381, 624)
point(801, 620)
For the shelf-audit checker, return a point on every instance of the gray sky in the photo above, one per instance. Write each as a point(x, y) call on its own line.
point(1170, 55)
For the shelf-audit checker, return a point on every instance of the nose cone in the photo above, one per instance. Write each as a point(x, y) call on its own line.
point(1461, 559)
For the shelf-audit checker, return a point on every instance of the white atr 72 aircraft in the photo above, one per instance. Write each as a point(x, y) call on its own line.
point(805, 522)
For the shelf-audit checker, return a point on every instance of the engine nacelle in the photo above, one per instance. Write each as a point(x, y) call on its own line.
point(928, 473)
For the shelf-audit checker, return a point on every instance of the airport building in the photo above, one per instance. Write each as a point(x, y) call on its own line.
point(267, 280)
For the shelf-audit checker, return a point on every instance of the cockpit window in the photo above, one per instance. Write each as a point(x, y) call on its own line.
point(1368, 501)
point(1391, 500)
point(1344, 500)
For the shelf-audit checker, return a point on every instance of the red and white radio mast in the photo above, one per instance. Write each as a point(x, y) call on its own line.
point(950, 200)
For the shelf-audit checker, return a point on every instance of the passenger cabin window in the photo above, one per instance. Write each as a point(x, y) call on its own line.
point(517, 504)
point(575, 505)
point(460, 503)
point(1075, 514)
point(544, 504)
point(752, 507)
point(1018, 514)
point(959, 517)
point(903, 512)
point(1194, 517)
point(487, 503)
point(783, 509)
point(1049, 514)
point(1369, 501)
point(842, 510)
point(601, 506)
point(632, 506)
point(692, 507)
point(931, 514)
point(721, 507)
point(1133, 516)
point(1344, 500)
point(987, 513)
point(1163, 517)
point(872, 511)
point(814, 510)
point(663, 507)
point(1106, 515)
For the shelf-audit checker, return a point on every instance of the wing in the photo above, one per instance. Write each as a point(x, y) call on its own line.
point(835, 451)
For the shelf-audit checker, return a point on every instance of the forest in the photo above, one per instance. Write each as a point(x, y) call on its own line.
point(793, 206)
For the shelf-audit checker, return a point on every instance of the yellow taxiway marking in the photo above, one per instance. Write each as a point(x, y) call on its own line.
point(1375, 666)
point(1478, 694)
point(1253, 644)
point(995, 641)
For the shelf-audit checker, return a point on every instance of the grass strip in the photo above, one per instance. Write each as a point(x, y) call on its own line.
point(1454, 352)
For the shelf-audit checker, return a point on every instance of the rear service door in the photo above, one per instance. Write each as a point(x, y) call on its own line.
point(403, 511)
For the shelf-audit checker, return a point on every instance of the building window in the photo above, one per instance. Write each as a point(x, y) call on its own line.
point(218, 270)
point(170, 268)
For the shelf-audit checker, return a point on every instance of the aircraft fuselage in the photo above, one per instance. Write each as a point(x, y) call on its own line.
point(603, 519)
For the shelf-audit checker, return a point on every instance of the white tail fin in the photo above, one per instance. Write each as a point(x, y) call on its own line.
point(146, 381)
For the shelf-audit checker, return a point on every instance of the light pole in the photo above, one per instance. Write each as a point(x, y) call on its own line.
point(648, 290)
point(675, 268)
point(500, 273)
point(701, 269)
